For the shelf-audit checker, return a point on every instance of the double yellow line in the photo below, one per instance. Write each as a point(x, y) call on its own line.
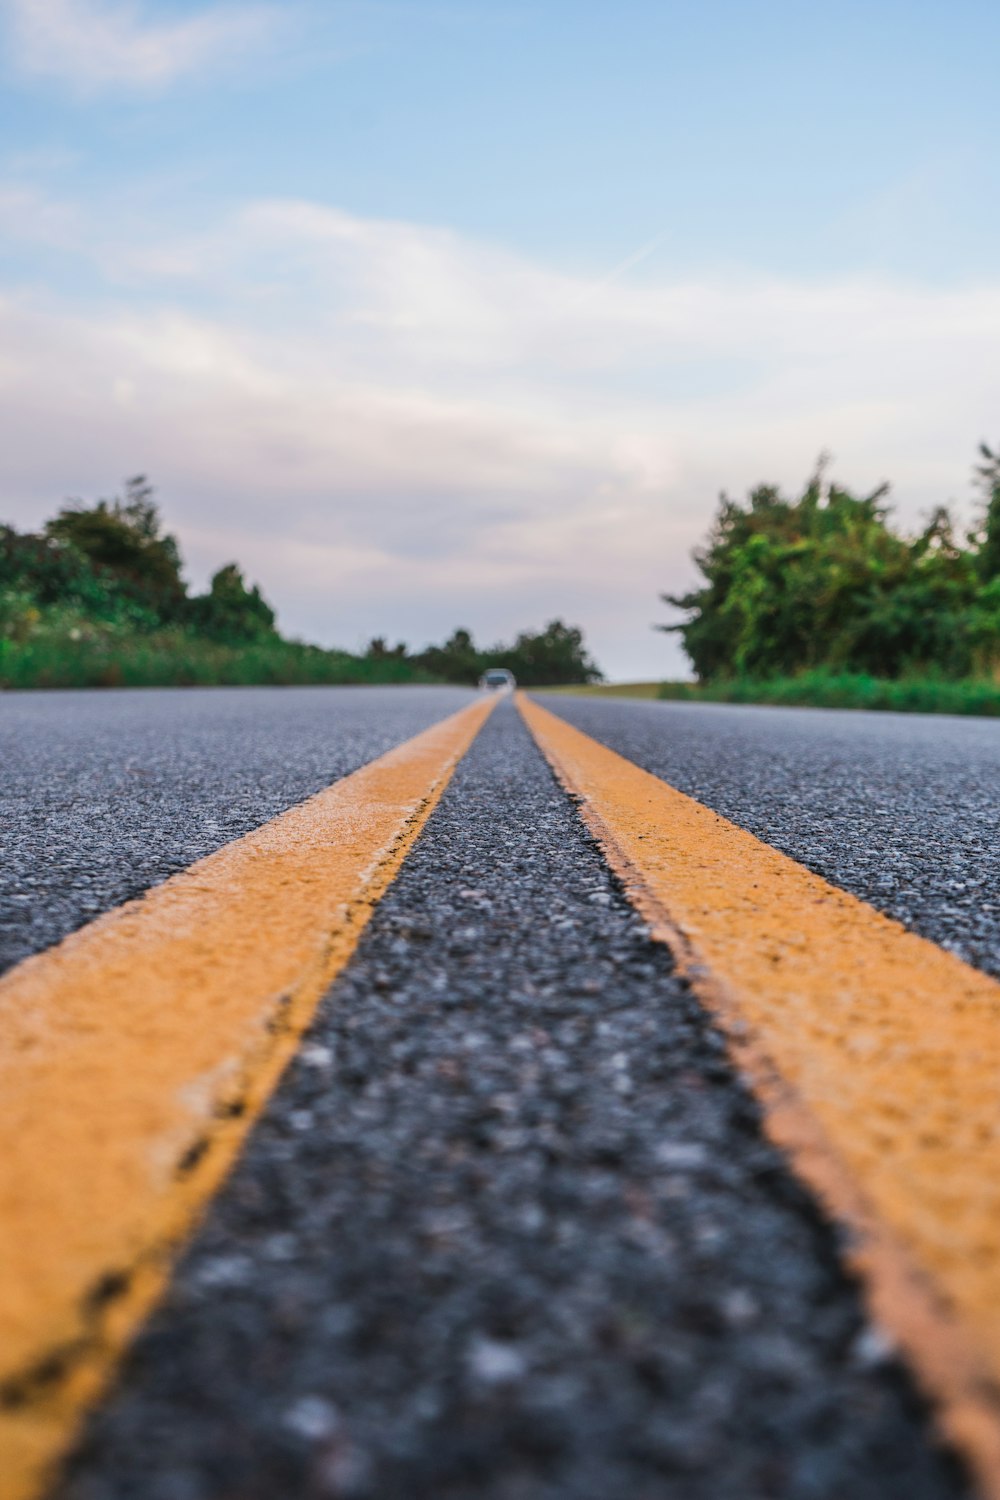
point(136, 1054)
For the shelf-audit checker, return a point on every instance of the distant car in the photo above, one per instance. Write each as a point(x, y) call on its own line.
point(497, 680)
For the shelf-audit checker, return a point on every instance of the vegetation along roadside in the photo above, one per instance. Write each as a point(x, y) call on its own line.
point(821, 600)
point(97, 598)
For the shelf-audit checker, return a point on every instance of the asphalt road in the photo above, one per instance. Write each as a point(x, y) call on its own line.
point(104, 794)
point(902, 810)
point(509, 1228)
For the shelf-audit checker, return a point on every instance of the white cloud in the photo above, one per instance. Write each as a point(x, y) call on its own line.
point(97, 44)
point(30, 215)
point(397, 429)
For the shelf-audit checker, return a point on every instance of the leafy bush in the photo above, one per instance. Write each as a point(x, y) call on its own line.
point(230, 611)
point(178, 659)
point(123, 543)
point(458, 660)
point(824, 581)
point(50, 575)
point(987, 538)
point(551, 656)
point(820, 689)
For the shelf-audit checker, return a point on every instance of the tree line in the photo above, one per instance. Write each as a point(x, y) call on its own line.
point(555, 655)
point(111, 564)
point(826, 581)
point(109, 570)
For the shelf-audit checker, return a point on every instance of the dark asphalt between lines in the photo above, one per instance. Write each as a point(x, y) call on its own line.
point(902, 810)
point(508, 1229)
point(104, 794)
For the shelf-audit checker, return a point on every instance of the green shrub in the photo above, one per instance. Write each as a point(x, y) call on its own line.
point(126, 549)
point(178, 659)
point(818, 689)
point(824, 581)
point(231, 612)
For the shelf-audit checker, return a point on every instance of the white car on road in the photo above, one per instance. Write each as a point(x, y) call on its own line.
point(497, 680)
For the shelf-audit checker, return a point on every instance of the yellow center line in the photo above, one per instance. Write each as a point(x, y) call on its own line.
point(135, 1055)
point(875, 1053)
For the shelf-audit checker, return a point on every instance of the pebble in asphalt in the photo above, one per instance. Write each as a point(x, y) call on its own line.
point(509, 1229)
point(902, 810)
point(105, 794)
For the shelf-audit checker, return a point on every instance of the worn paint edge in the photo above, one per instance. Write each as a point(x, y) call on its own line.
point(38, 1429)
point(900, 1296)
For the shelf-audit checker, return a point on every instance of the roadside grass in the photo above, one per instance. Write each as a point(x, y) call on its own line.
point(610, 689)
point(178, 659)
point(175, 659)
point(917, 695)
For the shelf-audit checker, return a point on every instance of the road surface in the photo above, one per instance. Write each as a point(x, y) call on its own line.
point(902, 810)
point(104, 794)
point(510, 1226)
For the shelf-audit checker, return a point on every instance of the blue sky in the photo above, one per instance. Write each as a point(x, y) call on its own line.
point(464, 313)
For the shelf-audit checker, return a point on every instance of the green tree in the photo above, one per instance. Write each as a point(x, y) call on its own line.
point(52, 575)
point(457, 660)
point(987, 540)
point(550, 657)
point(123, 540)
point(231, 612)
point(825, 581)
point(378, 649)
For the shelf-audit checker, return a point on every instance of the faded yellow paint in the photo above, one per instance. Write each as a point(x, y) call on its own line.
point(876, 1055)
point(134, 1056)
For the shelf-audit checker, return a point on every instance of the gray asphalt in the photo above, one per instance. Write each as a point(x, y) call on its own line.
point(509, 1229)
point(902, 810)
point(104, 794)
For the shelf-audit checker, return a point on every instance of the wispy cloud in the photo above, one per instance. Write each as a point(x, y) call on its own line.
point(29, 214)
point(98, 44)
point(633, 259)
point(399, 428)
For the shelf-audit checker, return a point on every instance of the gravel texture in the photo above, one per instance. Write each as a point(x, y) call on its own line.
point(509, 1229)
point(104, 794)
point(903, 810)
